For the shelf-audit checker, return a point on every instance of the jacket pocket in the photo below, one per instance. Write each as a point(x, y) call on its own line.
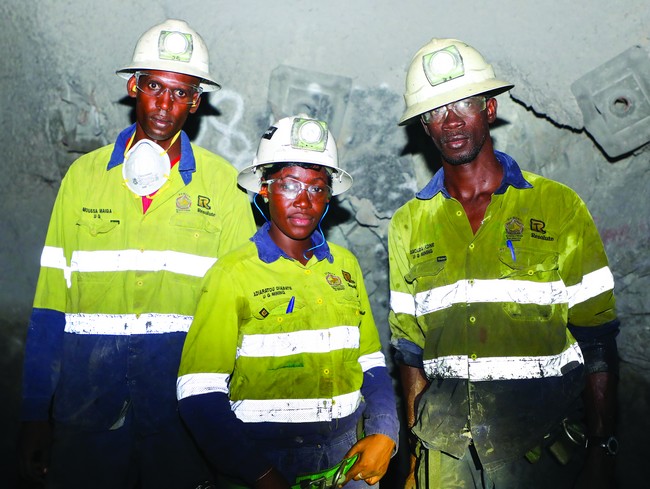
point(536, 297)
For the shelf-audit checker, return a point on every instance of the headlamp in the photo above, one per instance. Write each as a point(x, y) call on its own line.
point(175, 45)
point(443, 65)
point(309, 134)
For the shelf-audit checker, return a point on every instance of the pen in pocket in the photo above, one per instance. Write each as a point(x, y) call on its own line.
point(512, 249)
point(290, 305)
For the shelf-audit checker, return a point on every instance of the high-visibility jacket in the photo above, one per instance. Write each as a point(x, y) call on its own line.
point(290, 346)
point(118, 287)
point(487, 313)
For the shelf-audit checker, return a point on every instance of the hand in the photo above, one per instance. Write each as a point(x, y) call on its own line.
point(34, 442)
point(410, 483)
point(599, 470)
point(374, 456)
point(272, 480)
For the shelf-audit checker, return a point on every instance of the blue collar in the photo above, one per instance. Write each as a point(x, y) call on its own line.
point(512, 176)
point(186, 166)
point(269, 252)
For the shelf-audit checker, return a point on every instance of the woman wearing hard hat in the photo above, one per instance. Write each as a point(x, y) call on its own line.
point(283, 362)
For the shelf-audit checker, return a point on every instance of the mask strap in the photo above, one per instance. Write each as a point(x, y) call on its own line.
point(130, 142)
point(171, 144)
point(321, 233)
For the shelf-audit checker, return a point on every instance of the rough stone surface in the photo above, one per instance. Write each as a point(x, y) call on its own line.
point(62, 99)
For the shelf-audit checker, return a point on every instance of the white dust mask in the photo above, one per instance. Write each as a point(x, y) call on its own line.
point(146, 167)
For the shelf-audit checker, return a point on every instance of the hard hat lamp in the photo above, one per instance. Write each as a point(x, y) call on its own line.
point(443, 65)
point(309, 134)
point(175, 45)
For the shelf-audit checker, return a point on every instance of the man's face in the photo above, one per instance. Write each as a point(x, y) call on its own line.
point(161, 117)
point(296, 218)
point(460, 137)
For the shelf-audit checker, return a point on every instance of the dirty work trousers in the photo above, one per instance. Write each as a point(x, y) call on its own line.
point(124, 459)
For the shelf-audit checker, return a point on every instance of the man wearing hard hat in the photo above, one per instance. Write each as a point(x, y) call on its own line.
point(134, 228)
point(502, 305)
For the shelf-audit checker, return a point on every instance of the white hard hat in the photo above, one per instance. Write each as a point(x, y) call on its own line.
point(444, 71)
point(172, 46)
point(296, 139)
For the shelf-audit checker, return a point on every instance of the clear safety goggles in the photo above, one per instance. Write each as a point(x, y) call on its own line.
point(290, 188)
point(462, 108)
point(154, 86)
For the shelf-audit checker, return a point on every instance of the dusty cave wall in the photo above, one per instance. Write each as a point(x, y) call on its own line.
point(344, 61)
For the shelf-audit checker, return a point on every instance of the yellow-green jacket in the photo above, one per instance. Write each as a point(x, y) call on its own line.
point(118, 288)
point(287, 356)
point(486, 315)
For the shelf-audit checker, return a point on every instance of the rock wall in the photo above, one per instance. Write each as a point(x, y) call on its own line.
point(344, 61)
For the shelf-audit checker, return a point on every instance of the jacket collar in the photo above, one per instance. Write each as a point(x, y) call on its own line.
point(269, 252)
point(512, 176)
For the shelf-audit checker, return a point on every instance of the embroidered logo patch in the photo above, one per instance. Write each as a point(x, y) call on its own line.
point(514, 228)
point(537, 226)
point(538, 229)
point(204, 202)
point(348, 278)
point(183, 203)
point(264, 312)
point(334, 281)
point(203, 206)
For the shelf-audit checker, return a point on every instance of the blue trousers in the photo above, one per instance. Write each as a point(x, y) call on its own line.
point(124, 459)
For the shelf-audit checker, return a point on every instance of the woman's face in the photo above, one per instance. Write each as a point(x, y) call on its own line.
point(297, 198)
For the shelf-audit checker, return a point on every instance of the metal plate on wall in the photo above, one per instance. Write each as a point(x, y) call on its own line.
point(324, 96)
point(615, 102)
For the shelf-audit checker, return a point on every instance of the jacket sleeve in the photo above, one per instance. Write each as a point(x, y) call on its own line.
point(406, 335)
point(598, 346)
point(44, 341)
point(380, 415)
point(585, 270)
